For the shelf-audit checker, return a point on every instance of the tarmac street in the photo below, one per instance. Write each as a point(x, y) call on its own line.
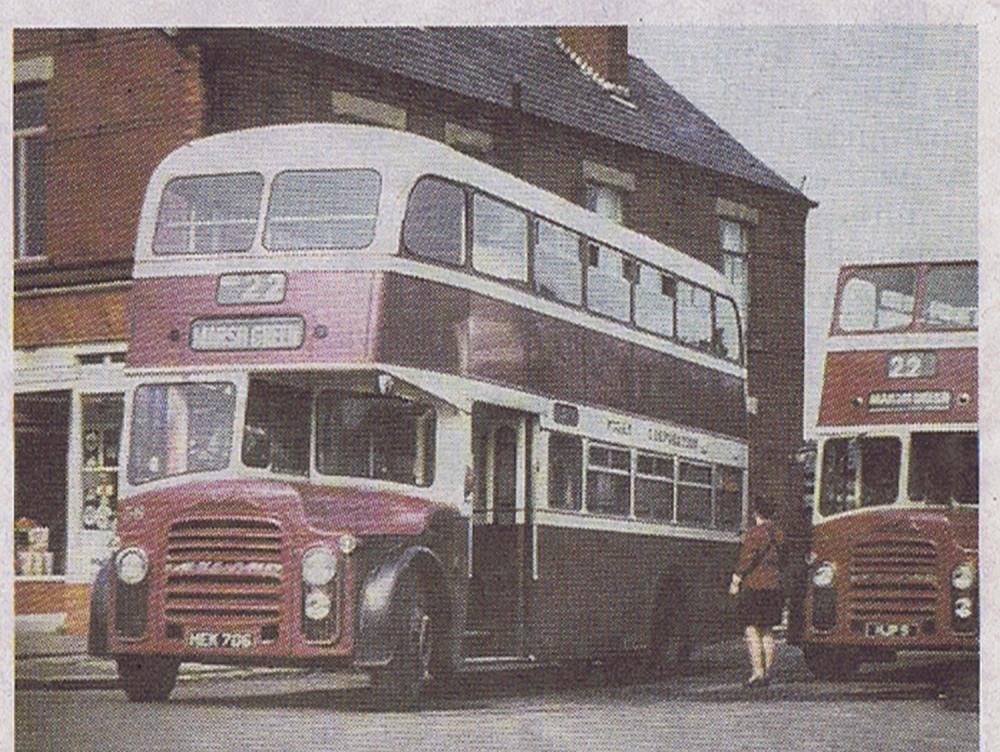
point(914, 704)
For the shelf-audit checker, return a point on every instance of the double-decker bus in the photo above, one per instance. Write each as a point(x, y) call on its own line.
point(395, 410)
point(895, 539)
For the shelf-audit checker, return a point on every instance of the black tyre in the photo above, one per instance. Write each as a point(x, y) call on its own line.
point(147, 678)
point(398, 685)
point(831, 664)
point(670, 641)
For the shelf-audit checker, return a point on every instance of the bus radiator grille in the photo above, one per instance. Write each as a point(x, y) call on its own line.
point(893, 580)
point(223, 567)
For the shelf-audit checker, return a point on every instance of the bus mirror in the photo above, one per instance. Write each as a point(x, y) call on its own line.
point(256, 447)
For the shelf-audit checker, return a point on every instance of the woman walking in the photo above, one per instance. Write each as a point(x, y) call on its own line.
point(757, 582)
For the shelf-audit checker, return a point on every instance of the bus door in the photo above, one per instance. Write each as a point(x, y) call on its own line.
point(501, 526)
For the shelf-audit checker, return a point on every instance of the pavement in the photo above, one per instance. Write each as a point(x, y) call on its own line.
point(45, 660)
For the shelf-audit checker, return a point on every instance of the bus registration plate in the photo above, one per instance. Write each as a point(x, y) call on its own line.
point(881, 629)
point(271, 333)
point(223, 640)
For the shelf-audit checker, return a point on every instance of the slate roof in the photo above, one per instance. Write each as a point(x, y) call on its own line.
point(483, 62)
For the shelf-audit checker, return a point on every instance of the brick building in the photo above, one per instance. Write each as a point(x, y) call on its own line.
point(567, 109)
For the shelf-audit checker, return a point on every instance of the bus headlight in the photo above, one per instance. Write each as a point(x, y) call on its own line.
point(963, 607)
point(132, 565)
point(823, 574)
point(963, 576)
point(319, 566)
point(317, 605)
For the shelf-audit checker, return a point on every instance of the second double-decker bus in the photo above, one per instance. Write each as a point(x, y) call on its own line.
point(895, 540)
point(392, 409)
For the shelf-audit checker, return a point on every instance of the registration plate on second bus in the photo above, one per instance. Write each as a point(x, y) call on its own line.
point(881, 629)
point(222, 640)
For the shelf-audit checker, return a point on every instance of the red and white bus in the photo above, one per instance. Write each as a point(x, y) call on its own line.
point(395, 410)
point(895, 535)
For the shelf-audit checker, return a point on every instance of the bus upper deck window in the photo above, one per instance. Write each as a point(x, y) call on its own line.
point(434, 227)
point(950, 299)
point(499, 239)
point(878, 299)
point(608, 282)
point(208, 214)
point(557, 263)
point(322, 209)
point(655, 296)
point(694, 315)
point(726, 339)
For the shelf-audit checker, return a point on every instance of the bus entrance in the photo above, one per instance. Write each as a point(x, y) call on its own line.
point(501, 525)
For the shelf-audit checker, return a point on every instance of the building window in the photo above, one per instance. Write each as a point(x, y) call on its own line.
point(29, 172)
point(606, 200)
point(734, 238)
point(350, 108)
point(101, 431)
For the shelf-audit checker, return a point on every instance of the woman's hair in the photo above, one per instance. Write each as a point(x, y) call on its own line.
point(763, 507)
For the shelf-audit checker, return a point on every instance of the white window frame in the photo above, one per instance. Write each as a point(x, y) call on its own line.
point(21, 138)
point(738, 258)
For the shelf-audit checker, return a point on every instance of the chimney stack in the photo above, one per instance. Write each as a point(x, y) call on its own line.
point(603, 49)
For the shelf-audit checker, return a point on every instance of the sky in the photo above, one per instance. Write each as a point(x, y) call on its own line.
point(880, 122)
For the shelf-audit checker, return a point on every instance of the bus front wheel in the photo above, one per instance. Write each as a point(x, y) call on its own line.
point(828, 663)
point(147, 678)
point(397, 686)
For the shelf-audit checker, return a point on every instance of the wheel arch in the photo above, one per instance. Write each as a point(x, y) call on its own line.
point(379, 620)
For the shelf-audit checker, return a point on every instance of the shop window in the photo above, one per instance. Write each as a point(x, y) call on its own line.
point(101, 433)
point(41, 441)
point(29, 171)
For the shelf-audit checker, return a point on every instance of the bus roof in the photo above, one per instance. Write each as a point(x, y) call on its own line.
point(401, 158)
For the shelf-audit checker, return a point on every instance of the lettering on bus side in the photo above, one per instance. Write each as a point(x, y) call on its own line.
point(619, 427)
point(662, 436)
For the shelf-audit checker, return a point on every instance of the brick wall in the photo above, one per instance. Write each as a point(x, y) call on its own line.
point(118, 102)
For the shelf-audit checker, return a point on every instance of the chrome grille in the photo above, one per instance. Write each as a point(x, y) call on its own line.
point(226, 567)
point(893, 580)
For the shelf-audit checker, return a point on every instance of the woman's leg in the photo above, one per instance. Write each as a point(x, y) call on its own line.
point(754, 648)
point(767, 642)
